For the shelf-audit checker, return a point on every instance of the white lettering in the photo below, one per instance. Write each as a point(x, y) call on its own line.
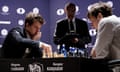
point(57, 64)
point(54, 68)
point(17, 69)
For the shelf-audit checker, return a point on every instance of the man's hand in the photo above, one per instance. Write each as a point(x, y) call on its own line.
point(37, 36)
point(93, 53)
point(75, 40)
point(47, 50)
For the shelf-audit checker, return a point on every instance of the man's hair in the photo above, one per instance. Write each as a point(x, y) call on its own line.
point(69, 5)
point(100, 7)
point(32, 17)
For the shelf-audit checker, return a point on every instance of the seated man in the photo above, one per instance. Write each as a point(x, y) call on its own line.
point(23, 42)
point(107, 45)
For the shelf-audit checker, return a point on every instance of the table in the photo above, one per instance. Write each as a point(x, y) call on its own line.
point(53, 65)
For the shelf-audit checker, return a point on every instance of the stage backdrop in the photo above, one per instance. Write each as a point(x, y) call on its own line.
point(12, 14)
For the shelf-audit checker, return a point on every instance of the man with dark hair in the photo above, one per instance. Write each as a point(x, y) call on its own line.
point(71, 31)
point(24, 42)
point(107, 43)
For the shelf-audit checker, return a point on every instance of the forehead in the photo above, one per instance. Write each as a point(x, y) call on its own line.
point(36, 23)
point(91, 17)
point(70, 7)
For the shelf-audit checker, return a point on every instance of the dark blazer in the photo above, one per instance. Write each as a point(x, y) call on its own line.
point(62, 29)
point(16, 42)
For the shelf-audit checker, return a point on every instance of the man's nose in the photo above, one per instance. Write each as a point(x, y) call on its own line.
point(38, 30)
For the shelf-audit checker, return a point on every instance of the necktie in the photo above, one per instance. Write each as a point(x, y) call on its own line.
point(71, 26)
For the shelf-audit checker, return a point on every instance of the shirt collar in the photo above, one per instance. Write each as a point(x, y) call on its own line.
point(73, 20)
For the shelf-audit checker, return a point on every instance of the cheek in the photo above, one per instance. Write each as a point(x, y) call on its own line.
point(93, 24)
point(33, 30)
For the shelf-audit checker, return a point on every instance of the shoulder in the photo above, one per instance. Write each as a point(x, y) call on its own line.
point(80, 21)
point(110, 20)
point(61, 20)
point(17, 29)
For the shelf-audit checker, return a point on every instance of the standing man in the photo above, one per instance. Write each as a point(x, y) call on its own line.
point(71, 31)
point(107, 43)
point(24, 42)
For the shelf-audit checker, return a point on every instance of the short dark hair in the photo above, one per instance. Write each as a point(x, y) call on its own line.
point(69, 5)
point(31, 17)
point(100, 7)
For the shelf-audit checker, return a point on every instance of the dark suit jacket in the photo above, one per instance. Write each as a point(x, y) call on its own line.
point(16, 42)
point(62, 29)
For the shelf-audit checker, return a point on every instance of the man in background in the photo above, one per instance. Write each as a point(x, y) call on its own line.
point(71, 31)
point(23, 42)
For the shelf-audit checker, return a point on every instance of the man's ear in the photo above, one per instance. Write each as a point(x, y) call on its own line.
point(64, 10)
point(27, 24)
point(99, 16)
